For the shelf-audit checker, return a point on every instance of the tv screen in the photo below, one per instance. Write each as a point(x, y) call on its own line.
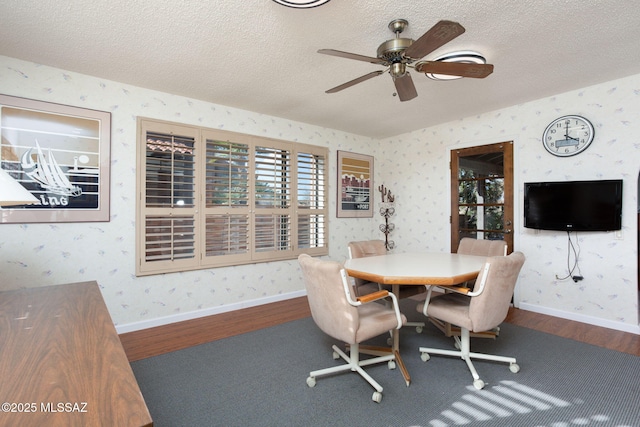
point(573, 205)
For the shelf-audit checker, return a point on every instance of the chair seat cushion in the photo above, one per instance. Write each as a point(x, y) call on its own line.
point(375, 319)
point(451, 308)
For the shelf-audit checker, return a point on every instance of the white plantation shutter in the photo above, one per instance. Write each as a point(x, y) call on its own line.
point(170, 169)
point(169, 224)
point(227, 197)
point(227, 234)
point(210, 198)
point(272, 195)
point(169, 239)
point(273, 178)
point(311, 201)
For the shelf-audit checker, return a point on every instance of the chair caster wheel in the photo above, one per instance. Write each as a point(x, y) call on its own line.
point(391, 364)
point(478, 384)
point(377, 397)
point(311, 381)
point(336, 356)
point(514, 367)
point(425, 357)
point(419, 329)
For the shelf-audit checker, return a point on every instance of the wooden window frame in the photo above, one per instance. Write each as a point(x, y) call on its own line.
point(258, 190)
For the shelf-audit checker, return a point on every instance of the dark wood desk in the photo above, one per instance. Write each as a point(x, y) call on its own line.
point(61, 361)
point(441, 269)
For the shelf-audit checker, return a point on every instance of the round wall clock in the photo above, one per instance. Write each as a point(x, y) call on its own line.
point(567, 136)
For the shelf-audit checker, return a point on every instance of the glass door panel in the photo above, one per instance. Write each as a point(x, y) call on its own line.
point(482, 193)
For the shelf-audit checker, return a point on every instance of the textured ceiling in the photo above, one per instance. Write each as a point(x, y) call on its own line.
point(259, 56)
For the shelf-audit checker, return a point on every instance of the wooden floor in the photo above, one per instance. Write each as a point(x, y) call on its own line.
point(176, 336)
point(154, 341)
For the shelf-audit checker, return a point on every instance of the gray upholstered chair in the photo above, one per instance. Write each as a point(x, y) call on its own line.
point(480, 247)
point(479, 309)
point(351, 320)
point(366, 248)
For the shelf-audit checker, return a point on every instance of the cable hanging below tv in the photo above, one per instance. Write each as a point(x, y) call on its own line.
point(573, 205)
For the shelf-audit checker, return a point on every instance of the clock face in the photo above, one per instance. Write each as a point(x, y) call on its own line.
point(567, 136)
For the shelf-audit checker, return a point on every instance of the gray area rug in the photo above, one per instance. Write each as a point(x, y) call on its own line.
point(259, 379)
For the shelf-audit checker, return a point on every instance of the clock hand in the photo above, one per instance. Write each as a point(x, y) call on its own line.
point(566, 133)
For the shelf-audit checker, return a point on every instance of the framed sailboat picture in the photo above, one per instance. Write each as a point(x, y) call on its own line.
point(60, 154)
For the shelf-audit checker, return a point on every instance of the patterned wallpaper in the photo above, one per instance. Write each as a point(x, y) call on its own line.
point(48, 254)
point(415, 165)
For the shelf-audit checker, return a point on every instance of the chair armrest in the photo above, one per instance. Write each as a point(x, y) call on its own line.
point(427, 299)
point(460, 289)
point(374, 296)
point(396, 308)
point(371, 297)
point(482, 277)
point(457, 289)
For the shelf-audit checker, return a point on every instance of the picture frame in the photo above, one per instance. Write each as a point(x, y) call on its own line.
point(61, 155)
point(355, 185)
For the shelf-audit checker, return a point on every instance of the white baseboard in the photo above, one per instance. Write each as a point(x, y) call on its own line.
point(591, 320)
point(180, 317)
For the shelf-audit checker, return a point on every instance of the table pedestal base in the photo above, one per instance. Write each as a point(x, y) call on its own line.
point(383, 351)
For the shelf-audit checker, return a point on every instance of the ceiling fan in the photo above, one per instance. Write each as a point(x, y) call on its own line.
point(398, 54)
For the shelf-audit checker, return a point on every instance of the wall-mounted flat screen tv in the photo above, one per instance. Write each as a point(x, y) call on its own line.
point(573, 205)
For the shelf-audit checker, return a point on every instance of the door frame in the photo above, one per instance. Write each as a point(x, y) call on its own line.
point(453, 192)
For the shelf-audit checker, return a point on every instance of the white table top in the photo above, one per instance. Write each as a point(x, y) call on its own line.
point(435, 268)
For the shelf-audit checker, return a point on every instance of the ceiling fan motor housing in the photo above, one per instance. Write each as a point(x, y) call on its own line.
point(393, 50)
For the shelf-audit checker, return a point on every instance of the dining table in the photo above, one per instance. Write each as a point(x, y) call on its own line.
point(414, 268)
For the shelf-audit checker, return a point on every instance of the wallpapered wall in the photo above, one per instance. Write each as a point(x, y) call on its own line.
point(47, 254)
point(415, 166)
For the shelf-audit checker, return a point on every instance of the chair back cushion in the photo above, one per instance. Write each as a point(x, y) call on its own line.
point(490, 308)
point(469, 246)
point(367, 248)
point(362, 249)
point(329, 306)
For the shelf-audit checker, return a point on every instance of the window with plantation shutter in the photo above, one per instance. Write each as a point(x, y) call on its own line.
point(210, 198)
point(168, 225)
point(273, 209)
point(226, 201)
point(311, 202)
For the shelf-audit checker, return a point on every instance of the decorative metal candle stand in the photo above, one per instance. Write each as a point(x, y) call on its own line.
point(387, 209)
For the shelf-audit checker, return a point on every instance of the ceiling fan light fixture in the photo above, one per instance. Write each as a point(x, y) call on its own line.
point(301, 4)
point(398, 70)
point(466, 56)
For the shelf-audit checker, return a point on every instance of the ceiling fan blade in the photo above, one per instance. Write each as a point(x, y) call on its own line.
point(440, 34)
point(348, 55)
point(462, 69)
point(355, 81)
point(405, 87)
